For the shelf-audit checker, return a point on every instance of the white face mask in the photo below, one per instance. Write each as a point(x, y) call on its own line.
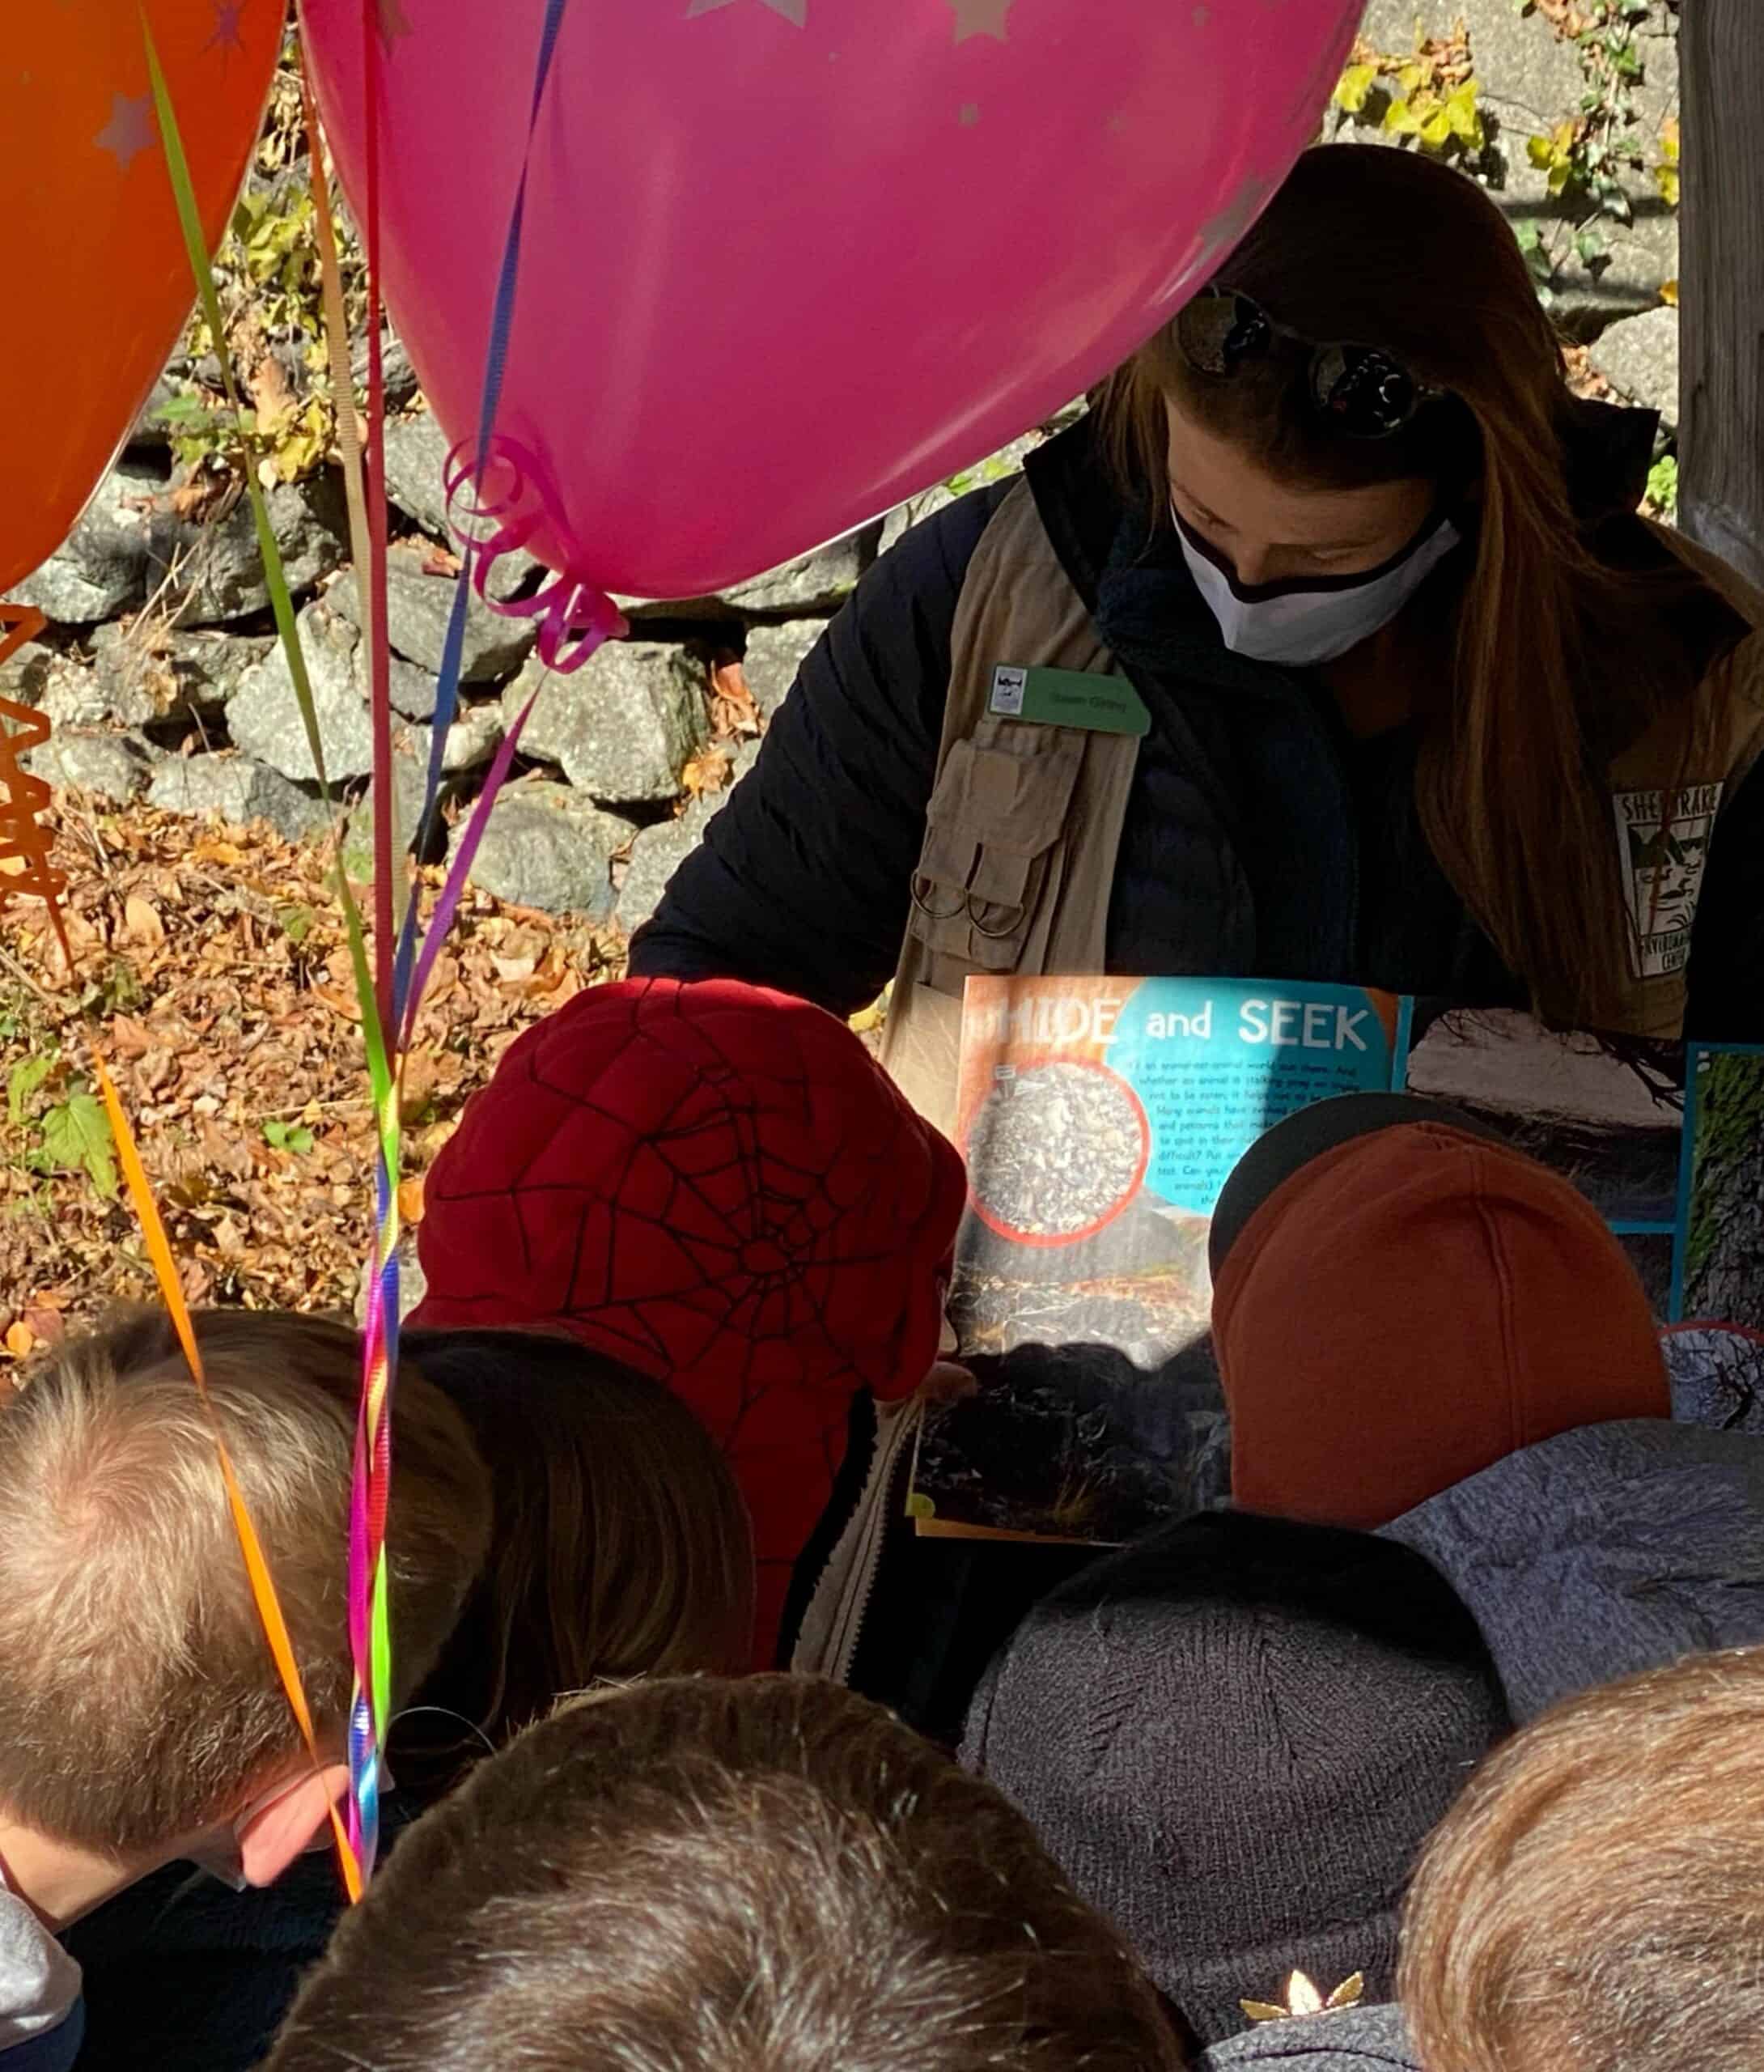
point(1315, 619)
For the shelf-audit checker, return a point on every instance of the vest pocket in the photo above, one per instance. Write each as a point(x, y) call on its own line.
point(998, 810)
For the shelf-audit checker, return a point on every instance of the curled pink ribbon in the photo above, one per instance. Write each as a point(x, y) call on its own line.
point(575, 616)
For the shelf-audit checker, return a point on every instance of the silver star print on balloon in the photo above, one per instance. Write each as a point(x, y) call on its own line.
point(129, 130)
point(981, 17)
point(792, 11)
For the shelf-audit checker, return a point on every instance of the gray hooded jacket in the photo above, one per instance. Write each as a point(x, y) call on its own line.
point(1602, 1552)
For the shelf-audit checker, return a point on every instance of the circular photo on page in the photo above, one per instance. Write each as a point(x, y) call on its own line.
point(1055, 1151)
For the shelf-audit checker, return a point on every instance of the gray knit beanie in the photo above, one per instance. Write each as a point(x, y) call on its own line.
point(1234, 1738)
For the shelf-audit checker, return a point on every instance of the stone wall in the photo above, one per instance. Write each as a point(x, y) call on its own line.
point(164, 680)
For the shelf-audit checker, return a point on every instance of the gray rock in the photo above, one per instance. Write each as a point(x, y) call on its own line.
point(102, 764)
point(820, 582)
point(70, 691)
point(187, 674)
point(997, 468)
point(774, 654)
point(150, 434)
point(101, 568)
point(217, 569)
point(658, 852)
point(238, 790)
point(263, 714)
point(545, 845)
point(396, 370)
point(416, 451)
point(1639, 359)
point(623, 727)
point(473, 739)
point(418, 607)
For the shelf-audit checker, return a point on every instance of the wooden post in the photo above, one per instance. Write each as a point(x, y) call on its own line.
point(1721, 300)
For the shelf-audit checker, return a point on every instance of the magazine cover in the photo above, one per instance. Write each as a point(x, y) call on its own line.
point(1100, 1118)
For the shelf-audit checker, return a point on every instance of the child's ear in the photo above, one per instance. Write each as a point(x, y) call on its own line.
point(270, 1839)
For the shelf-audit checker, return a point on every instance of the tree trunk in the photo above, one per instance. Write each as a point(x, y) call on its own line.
point(1725, 1276)
point(1721, 411)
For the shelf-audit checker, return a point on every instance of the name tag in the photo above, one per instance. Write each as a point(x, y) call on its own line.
point(1068, 698)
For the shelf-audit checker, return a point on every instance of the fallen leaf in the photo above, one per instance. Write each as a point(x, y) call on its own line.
point(410, 1200)
point(21, 1340)
point(514, 970)
point(708, 771)
point(48, 1326)
point(141, 917)
point(343, 1004)
point(129, 1039)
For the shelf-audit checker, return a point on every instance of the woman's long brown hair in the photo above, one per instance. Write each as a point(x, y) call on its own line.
point(1368, 245)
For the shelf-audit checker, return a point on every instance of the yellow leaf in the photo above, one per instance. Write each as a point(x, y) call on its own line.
point(1668, 141)
point(1400, 118)
point(1412, 78)
point(410, 1200)
point(1436, 129)
point(1462, 113)
point(1666, 179)
point(1541, 151)
point(1260, 2010)
point(1355, 86)
point(1349, 1992)
point(868, 1018)
point(20, 1339)
point(141, 917)
point(1669, 294)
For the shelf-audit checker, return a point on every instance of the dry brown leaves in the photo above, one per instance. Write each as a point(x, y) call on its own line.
point(214, 971)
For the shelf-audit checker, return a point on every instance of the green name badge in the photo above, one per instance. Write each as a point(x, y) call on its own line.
point(1069, 697)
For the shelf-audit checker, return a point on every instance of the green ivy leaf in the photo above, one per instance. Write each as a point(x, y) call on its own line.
point(76, 1137)
point(26, 1077)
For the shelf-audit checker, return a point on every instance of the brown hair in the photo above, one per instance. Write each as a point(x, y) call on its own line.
point(1595, 1901)
point(771, 1874)
point(621, 1546)
point(1366, 245)
point(138, 1703)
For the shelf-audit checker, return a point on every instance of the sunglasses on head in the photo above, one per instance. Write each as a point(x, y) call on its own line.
point(1363, 393)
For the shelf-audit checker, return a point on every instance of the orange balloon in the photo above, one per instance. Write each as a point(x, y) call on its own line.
point(98, 281)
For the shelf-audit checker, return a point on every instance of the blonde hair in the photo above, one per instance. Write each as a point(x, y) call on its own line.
point(772, 1874)
point(138, 1701)
point(1595, 1901)
point(1366, 246)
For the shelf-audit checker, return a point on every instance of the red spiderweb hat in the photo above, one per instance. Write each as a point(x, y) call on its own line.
point(716, 1185)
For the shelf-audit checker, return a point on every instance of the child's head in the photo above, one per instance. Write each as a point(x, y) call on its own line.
point(1595, 1900)
point(773, 1875)
point(555, 1519)
point(621, 1547)
point(139, 1707)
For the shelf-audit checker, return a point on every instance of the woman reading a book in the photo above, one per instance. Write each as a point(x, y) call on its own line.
point(1330, 645)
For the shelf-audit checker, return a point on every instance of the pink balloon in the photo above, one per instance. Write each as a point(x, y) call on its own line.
point(787, 261)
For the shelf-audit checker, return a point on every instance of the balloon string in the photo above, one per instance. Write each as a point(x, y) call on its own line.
point(385, 803)
point(263, 1589)
point(26, 865)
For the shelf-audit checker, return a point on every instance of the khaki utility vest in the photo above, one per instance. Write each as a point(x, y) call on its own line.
point(1024, 822)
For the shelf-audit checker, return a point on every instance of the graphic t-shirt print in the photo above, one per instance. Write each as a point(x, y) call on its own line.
point(1663, 859)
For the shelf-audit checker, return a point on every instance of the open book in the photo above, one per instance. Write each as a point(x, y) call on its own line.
point(1101, 1117)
